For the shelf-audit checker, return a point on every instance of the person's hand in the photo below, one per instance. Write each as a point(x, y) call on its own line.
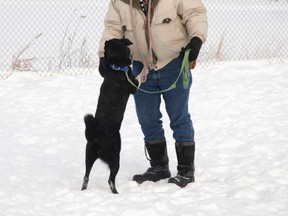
point(103, 66)
point(194, 45)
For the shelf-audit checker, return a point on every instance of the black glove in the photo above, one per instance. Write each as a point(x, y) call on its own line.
point(195, 46)
point(103, 66)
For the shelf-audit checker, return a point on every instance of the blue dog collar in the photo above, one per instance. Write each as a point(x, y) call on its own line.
point(118, 68)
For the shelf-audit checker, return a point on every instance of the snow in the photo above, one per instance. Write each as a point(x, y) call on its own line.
point(239, 111)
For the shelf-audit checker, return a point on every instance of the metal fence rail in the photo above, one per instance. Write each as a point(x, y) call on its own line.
point(55, 35)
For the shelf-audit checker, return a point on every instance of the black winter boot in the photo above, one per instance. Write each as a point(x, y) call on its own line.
point(159, 163)
point(185, 154)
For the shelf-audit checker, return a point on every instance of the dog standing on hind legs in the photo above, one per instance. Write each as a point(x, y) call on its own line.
point(102, 131)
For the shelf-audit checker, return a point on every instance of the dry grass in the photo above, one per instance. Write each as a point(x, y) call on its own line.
point(219, 51)
point(67, 54)
point(24, 64)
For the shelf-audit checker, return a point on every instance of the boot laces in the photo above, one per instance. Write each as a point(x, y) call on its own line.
point(179, 177)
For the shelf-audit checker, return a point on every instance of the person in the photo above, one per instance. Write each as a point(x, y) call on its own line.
point(161, 32)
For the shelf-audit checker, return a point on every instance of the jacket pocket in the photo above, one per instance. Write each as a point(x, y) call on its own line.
point(169, 28)
point(169, 36)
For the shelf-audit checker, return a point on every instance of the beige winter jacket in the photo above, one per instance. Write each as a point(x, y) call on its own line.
point(173, 24)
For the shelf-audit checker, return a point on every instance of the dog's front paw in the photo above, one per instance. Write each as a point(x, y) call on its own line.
point(103, 66)
point(134, 84)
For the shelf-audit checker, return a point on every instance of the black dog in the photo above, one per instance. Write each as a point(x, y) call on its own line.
point(102, 132)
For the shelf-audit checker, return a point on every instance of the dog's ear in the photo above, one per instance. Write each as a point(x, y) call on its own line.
point(106, 43)
point(126, 41)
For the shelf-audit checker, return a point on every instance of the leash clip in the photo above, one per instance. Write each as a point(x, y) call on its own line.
point(118, 68)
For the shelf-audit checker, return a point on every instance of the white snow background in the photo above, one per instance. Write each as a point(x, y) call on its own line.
point(239, 111)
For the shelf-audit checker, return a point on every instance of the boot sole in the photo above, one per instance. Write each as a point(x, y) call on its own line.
point(140, 179)
point(181, 182)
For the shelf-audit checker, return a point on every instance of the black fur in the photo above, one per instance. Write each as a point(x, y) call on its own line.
point(102, 132)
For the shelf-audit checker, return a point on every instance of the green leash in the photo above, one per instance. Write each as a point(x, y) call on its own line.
point(185, 71)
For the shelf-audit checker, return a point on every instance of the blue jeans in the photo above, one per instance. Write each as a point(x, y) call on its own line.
point(176, 103)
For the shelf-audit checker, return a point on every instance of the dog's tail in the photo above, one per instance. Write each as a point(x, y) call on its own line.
point(91, 127)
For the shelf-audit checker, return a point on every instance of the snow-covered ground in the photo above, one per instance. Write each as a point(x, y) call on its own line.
point(240, 114)
point(239, 111)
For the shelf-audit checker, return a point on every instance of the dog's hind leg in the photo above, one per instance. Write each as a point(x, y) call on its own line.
point(114, 168)
point(91, 157)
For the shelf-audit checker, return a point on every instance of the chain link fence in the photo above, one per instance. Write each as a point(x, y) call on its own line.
point(246, 30)
point(62, 35)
